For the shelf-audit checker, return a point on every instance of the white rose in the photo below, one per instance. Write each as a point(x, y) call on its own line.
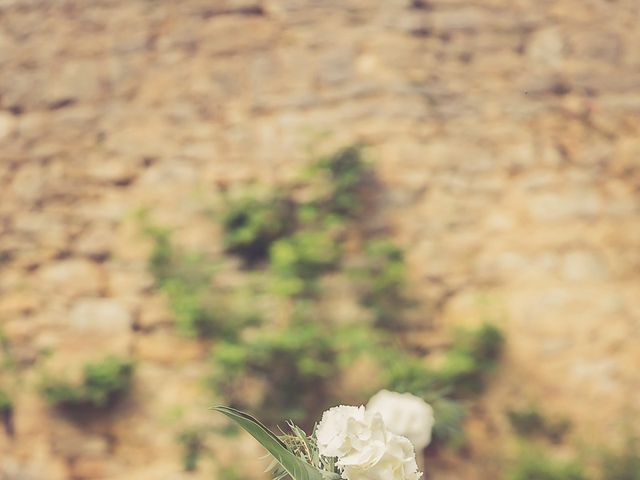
point(397, 463)
point(404, 414)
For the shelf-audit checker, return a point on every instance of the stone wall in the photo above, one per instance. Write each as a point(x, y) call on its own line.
point(507, 138)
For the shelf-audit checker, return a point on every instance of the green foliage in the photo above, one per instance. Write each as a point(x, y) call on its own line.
point(527, 421)
point(194, 314)
point(530, 422)
point(187, 281)
point(162, 259)
point(462, 374)
point(6, 412)
point(536, 465)
point(7, 364)
point(192, 443)
point(407, 373)
point(299, 362)
point(296, 362)
point(103, 383)
point(345, 175)
point(6, 403)
point(623, 465)
point(448, 430)
point(463, 371)
point(229, 473)
point(473, 356)
point(298, 260)
point(206, 313)
point(484, 345)
point(287, 362)
point(382, 282)
point(251, 225)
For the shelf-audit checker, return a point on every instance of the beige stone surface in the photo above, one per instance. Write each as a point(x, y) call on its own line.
point(507, 138)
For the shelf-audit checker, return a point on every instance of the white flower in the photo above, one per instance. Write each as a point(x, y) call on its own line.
point(404, 414)
point(397, 463)
point(364, 447)
point(342, 430)
point(368, 441)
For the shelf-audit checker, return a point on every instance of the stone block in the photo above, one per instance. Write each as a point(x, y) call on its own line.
point(100, 315)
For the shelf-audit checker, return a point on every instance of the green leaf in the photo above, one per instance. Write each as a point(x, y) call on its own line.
point(297, 468)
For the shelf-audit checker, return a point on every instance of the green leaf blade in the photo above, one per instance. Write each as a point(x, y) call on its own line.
point(297, 468)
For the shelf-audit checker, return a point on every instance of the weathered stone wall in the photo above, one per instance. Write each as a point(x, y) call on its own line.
point(506, 134)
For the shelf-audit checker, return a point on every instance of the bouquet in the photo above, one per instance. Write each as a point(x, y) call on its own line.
point(376, 442)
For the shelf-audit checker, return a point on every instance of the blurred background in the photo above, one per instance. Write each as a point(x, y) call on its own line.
point(286, 205)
